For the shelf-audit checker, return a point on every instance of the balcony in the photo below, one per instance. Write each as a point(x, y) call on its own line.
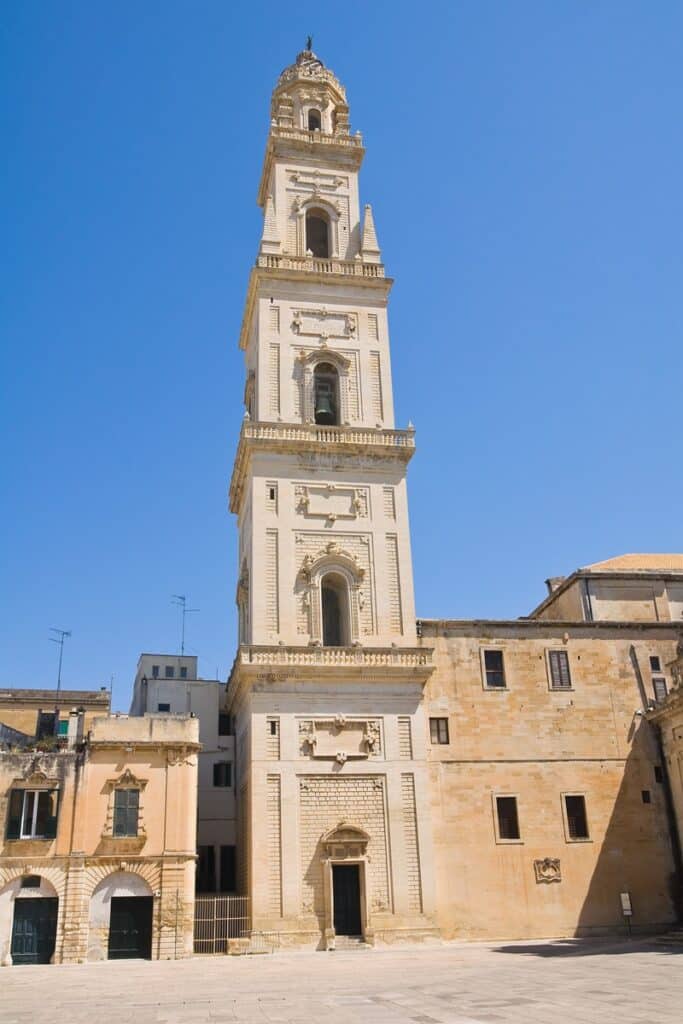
point(314, 265)
point(310, 437)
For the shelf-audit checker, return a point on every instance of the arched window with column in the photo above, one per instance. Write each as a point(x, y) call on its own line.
point(334, 597)
point(314, 122)
point(318, 233)
point(326, 394)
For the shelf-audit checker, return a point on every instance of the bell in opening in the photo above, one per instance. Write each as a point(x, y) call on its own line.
point(334, 596)
point(314, 120)
point(317, 234)
point(326, 395)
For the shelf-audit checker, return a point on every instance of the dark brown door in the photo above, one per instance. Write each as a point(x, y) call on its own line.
point(130, 928)
point(346, 892)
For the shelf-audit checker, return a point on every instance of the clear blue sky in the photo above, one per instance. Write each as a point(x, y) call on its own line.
point(524, 161)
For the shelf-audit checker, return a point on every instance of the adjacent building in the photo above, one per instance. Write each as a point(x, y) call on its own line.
point(97, 841)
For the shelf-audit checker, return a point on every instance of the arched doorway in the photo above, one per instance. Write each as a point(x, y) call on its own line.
point(335, 610)
point(31, 904)
point(121, 910)
point(317, 234)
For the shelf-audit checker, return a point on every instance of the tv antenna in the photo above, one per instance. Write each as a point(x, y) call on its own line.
point(62, 635)
point(181, 601)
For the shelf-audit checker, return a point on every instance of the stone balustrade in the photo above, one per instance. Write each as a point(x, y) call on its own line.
point(311, 264)
point(342, 657)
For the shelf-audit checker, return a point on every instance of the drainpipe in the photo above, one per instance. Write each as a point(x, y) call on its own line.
point(589, 603)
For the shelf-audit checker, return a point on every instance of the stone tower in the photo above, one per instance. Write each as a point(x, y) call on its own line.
point(327, 684)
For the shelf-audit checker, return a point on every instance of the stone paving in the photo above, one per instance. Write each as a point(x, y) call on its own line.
point(455, 983)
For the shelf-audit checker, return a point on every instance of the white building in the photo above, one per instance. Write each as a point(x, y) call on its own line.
point(168, 683)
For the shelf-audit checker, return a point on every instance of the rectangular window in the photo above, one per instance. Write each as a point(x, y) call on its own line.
point(32, 814)
point(183, 671)
point(222, 773)
point(47, 720)
point(169, 671)
point(659, 774)
point(272, 726)
point(659, 687)
point(63, 727)
point(438, 730)
point(163, 707)
point(155, 671)
point(655, 664)
point(126, 808)
point(577, 822)
point(508, 820)
point(494, 670)
point(645, 795)
point(560, 678)
point(30, 882)
point(228, 866)
point(223, 724)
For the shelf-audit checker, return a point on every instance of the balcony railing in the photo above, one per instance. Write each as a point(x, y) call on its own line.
point(284, 432)
point(312, 264)
point(340, 657)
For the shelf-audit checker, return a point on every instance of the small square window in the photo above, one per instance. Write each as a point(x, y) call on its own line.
point(494, 669)
point(438, 730)
point(659, 687)
point(30, 882)
point(655, 663)
point(163, 707)
point(560, 679)
point(659, 774)
point(577, 822)
point(169, 671)
point(508, 819)
point(183, 672)
point(155, 671)
point(646, 796)
point(222, 774)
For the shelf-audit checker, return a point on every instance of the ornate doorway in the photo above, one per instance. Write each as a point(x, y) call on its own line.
point(346, 897)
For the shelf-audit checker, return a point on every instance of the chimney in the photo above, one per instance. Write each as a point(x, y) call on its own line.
point(553, 582)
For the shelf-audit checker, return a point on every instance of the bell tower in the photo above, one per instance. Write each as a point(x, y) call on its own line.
point(326, 685)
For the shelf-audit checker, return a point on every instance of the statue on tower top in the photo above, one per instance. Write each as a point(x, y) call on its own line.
point(309, 43)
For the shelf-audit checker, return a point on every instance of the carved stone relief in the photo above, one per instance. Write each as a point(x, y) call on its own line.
point(547, 870)
point(340, 739)
point(331, 501)
point(320, 323)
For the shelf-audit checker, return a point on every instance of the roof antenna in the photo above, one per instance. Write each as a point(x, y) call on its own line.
point(62, 635)
point(181, 601)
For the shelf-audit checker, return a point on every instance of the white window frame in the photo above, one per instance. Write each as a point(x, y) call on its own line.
point(23, 834)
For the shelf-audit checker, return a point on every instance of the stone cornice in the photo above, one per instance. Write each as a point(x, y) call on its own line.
point(272, 664)
point(605, 574)
point(466, 627)
point(304, 437)
point(344, 151)
point(304, 268)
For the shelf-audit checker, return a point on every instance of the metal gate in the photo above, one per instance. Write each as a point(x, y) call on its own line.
point(219, 918)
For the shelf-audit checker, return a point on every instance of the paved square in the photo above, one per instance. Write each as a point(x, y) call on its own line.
point(456, 983)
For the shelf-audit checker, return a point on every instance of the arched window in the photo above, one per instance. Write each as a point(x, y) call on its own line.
point(335, 608)
point(317, 234)
point(326, 395)
point(314, 120)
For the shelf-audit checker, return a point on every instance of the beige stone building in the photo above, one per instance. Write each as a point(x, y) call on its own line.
point(401, 780)
point(97, 853)
point(45, 714)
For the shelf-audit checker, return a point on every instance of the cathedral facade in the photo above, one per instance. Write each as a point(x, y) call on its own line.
point(399, 779)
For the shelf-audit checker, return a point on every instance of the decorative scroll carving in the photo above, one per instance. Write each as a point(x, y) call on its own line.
point(340, 739)
point(322, 323)
point(331, 501)
point(548, 870)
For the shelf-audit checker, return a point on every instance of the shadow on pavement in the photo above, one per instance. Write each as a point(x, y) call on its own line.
point(593, 947)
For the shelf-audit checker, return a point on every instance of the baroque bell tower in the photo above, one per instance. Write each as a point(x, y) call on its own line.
point(333, 834)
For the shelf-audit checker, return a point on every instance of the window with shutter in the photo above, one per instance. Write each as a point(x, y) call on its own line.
point(32, 814)
point(560, 678)
point(659, 687)
point(126, 809)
